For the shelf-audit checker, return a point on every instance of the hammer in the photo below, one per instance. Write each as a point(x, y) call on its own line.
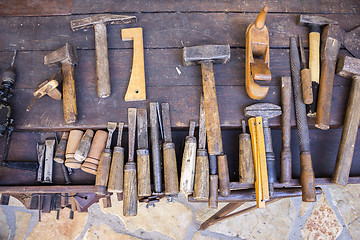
point(348, 67)
point(314, 22)
point(67, 56)
point(206, 55)
point(101, 50)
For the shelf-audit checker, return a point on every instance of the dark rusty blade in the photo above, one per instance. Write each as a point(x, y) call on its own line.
point(142, 126)
point(165, 107)
point(316, 20)
point(264, 110)
point(202, 124)
point(121, 127)
point(132, 128)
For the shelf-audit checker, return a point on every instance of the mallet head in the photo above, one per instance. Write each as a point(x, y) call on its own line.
point(214, 53)
point(333, 31)
point(65, 53)
point(315, 20)
point(348, 67)
point(264, 110)
point(101, 19)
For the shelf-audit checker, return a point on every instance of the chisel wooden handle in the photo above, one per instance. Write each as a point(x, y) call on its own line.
point(60, 151)
point(143, 171)
point(116, 177)
point(170, 169)
point(84, 146)
point(130, 190)
point(102, 174)
point(69, 94)
point(223, 173)
point(188, 166)
point(201, 185)
point(307, 177)
point(246, 160)
point(72, 144)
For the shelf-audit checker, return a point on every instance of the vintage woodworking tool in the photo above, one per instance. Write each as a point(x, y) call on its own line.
point(116, 177)
point(67, 56)
point(49, 160)
point(352, 42)
point(170, 167)
point(91, 163)
point(99, 22)
point(136, 89)
point(155, 147)
point(206, 55)
point(49, 87)
point(188, 162)
point(61, 147)
point(84, 146)
point(102, 173)
point(72, 144)
point(306, 169)
point(266, 111)
point(130, 196)
point(285, 154)
point(143, 158)
point(348, 67)
point(40, 149)
point(331, 40)
point(201, 185)
point(65, 173)
point(306, 83)
point(315, 23)
point(257, 66)
point(261, 172)
point(213, 182)
point(246, 160)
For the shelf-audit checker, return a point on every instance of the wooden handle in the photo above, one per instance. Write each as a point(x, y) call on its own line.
point(307, 178)
point(91, 163)
point(211, 110)
point(60, 151)
point(72, 144)
point(307, 91)
point(102, 174)
point(213, 191)
point(136, 89)
point(285, 155)
point(246, 160)
point(223, 173)
point(69, 93)
point(84, 146)
point(130, 198)
point(102, 61)
point(143, 172)
point(188, 166)
point(260, 19)
point(201, 186)
point(116, 177)
point(348, 137)
point(170, 169)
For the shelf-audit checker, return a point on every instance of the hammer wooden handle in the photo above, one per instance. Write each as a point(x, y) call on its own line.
point(69, 94)
point(306, 86)
point(314, 66)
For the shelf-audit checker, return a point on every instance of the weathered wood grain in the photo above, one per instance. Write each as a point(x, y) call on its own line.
point(35, 7)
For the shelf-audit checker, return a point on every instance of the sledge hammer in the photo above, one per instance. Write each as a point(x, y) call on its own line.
point(101, 50)
point(206, 56)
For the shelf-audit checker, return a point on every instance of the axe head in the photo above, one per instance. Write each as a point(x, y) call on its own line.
point(65, 53)
point(214, 53)
point(264, 110)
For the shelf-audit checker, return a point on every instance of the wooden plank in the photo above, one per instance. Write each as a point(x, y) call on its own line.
point(35, 7)
point(308, 6)
point(172, 30)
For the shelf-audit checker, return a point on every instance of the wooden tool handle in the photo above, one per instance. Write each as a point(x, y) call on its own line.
point(60, 151)
point(116, 177)
point(102, 174)
point(260, 19)
point(213, 191)
point(84, 146)
point(307, 178)
point(69, 93)
point(102, 61)
point(246, 160)
point(188, 166)
point(223, 173)
point(170, 169)
point(143, 172)
point(201, 185)
point(211, 110)
point(306, 86)
point(285, 155)
point(130, 200)
point(348, 137)
point(72, 144)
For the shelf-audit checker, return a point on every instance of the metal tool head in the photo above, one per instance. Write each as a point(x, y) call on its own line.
point(120, 131)
point(111, 126)
point(264, 110)
point(315, 20)
point(333, 31)
point(352, 42)
point(65, 53)
point(101, 19)
point(214, 53)
point(348, 67)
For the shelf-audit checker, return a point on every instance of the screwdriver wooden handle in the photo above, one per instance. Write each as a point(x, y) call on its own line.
point(170, 169)
point(246, 160)
point(143, 171)
point(307, 177)
point(72, 144)
point(69, 93)
point(60, 151)
point(223, 173)
point(306, 86)
point(188, 166)
point(84, 146)
point(201, 185)
point(102, 174)
point(130, 190)
point(116, 177)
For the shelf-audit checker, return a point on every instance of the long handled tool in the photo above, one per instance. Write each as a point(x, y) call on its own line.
point(116, 177)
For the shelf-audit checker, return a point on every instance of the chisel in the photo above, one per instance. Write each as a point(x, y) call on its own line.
point(116, 177)
point(49, 160)
point(72, 144)
point(246, 160)
point(84, 146)
point(40, 147)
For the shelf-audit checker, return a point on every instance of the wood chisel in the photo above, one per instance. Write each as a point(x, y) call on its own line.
point(246, 160)
point(40, 147)
point(49, 160)
point(116, 177)
point(72, 144)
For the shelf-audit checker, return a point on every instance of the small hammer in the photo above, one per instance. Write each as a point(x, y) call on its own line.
point(101, 49)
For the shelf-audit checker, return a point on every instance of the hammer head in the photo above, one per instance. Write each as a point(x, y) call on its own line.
point(214, 53)
point(65, 53)
point(264, 110)
point(348, 67)
point(101, 19)
point(315, 20)
point(333, 31)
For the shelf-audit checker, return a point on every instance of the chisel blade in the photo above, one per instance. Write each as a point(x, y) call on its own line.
point(142, 126)
point(202, 124)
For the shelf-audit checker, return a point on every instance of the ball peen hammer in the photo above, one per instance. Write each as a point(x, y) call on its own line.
point(101, 50)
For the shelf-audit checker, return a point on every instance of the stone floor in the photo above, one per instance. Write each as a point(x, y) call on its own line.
point(336, 215)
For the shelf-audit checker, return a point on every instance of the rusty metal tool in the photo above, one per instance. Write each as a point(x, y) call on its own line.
point(348, 67)
point(352, 42)
point(170, 166)
point(61, 148)
point(116, 177)
point(285, 154)
point(266, 111)
point(40, 149)
point(207, 55)
point(306, 83)
point(257, 58)
point(315, 23)
point(49, 160)
point(331, 40)
point(99, 22)
point(67, 56)
point(130, 196)
point(306, 169)
point(201, 185)
point(246, 160)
